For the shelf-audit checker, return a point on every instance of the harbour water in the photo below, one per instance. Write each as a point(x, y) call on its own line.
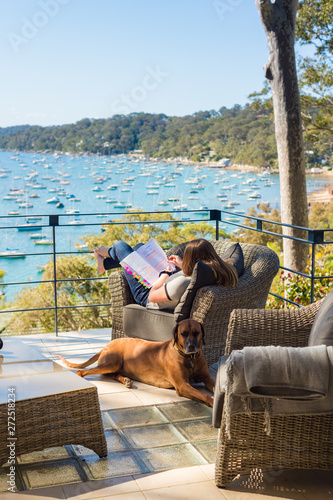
point(37, 185)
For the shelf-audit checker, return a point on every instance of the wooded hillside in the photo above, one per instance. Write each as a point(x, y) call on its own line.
point(246, 135)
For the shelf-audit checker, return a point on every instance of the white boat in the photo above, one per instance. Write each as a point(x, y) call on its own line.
point(43, 241)
point(81, 247)
point(72, 211)
point(36, 236)
point(12, 254)
point(232, 219)
point(55, 199)
point(33, 219)
point(24, 204)
point(9, 197)
point(254, 196)
point(76, 222)
point(134, 209)
point(28, 227)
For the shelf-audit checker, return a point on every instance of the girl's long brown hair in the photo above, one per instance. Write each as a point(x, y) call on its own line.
point(203, 250)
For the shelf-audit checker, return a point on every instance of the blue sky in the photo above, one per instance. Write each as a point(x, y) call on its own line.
point(64, 60)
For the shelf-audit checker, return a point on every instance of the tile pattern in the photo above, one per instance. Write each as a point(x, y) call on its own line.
point(140, 440)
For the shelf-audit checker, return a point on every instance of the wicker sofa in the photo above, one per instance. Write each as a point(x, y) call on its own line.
point(212, 305)
point(296, 441)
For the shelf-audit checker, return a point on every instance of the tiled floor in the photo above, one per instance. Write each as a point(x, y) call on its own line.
point(161, 446)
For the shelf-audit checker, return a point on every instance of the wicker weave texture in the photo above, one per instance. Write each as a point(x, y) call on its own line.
point(284, 327)
point(212, 305)
point(296, 442)
point(70, 418)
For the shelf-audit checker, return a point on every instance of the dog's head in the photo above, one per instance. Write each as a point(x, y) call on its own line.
point(189, 336)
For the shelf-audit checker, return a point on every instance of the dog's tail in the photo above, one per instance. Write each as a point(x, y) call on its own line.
point(81, 365)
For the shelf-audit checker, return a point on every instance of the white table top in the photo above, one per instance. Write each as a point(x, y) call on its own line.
point(32, 375)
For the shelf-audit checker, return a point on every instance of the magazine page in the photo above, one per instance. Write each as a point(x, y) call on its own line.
point(146, 263)
point(141, 270)
point(155, 255)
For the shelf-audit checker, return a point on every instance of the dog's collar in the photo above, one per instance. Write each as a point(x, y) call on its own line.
point(193, 355)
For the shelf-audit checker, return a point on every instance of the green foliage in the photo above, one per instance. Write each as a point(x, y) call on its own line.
point(298, 289)
point(265, 211)
point(166, 234)
point(315, 24)
point(291, 286)
point(74, 293)
point(321, 217)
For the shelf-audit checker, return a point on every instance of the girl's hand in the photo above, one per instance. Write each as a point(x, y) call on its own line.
point(176, 261)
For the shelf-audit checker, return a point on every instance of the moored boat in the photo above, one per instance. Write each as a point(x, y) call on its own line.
point(10, 254)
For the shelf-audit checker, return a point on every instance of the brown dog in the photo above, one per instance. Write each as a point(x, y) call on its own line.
point(163, 364)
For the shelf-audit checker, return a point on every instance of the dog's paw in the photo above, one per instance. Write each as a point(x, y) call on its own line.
point(128, 382)
point(80, 373)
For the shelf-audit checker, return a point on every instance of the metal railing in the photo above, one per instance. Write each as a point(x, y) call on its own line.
point(56, 222)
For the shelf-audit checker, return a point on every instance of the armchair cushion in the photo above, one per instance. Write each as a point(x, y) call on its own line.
point(148, 324)
point(203, 275)
point(322, 328)
point(235, 255)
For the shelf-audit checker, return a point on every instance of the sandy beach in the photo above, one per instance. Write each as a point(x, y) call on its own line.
point(323, 195)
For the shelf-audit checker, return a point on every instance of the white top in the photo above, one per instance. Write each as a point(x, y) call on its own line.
point(174, 286)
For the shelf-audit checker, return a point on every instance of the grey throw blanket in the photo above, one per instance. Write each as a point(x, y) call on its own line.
point(287, 372)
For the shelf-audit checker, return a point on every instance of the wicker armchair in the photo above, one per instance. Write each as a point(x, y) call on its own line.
point(296, 441)
point(212, 305)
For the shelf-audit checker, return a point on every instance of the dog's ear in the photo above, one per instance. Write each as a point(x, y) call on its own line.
point(202, 334)
point(175, 334)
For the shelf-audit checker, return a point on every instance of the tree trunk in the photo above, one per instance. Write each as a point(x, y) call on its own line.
point(279, 19)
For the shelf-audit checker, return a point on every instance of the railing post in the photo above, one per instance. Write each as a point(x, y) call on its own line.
point(215, 215)
point(313, 264)
point(315, 236)
point(53, 222)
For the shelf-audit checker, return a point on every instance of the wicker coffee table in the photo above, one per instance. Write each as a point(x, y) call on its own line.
point(43, 405)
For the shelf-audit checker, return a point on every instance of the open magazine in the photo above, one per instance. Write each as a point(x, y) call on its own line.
point(146, 263)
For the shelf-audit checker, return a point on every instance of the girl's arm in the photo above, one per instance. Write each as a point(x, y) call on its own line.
point(157, 292)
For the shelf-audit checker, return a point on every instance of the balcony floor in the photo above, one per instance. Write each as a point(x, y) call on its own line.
point(171, 458)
